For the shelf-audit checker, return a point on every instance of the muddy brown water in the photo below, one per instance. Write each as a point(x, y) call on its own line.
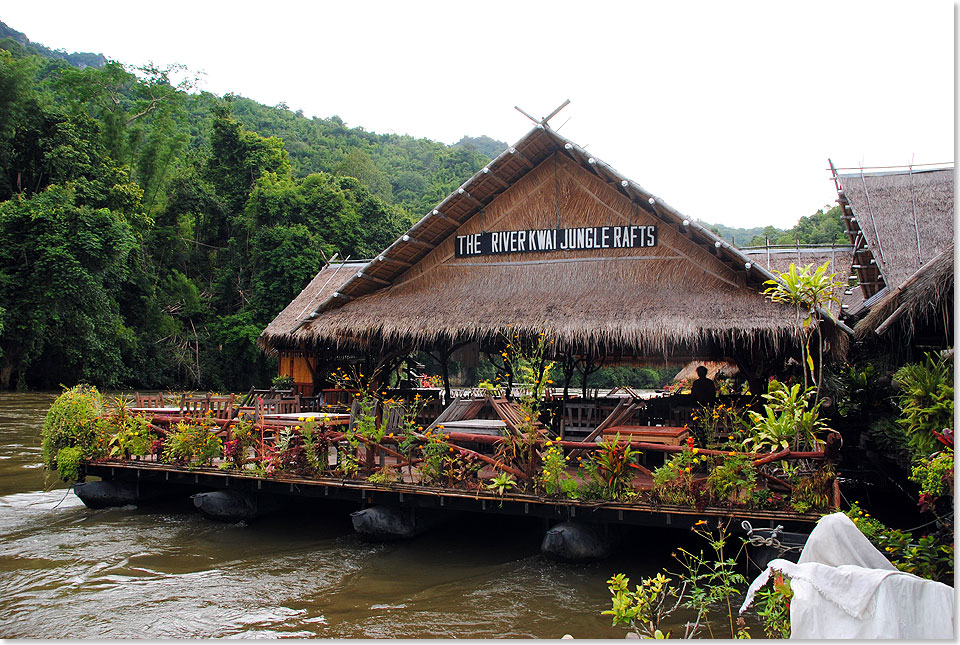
point(67, 571)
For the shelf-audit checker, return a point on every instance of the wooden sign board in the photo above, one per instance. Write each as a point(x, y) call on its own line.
point(556, 239)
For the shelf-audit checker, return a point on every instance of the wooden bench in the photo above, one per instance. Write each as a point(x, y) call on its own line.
point(667, 435)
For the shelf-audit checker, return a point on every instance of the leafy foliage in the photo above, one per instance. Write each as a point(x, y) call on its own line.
point(148, 235)
point(706, 582)
point(71, 423)
point(808, 291)
point(788, 418)
point(926, 402)
point(930, 556)
point(773, 606)
point(823, 227)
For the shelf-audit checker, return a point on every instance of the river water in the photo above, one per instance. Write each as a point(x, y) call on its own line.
point(167, 572)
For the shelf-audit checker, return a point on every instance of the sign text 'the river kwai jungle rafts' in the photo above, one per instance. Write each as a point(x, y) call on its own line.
point(556, 239)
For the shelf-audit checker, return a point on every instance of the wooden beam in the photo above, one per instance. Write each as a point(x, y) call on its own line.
point(361, 274)
point(492, 175)
point(519, 155)
point(403, 263)
point(462, 191)
point(448, 220)
point(409, 239)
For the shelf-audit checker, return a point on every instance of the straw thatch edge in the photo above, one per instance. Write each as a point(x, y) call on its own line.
point(916, 298)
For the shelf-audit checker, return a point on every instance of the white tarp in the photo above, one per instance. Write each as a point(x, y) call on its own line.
point(843, 587)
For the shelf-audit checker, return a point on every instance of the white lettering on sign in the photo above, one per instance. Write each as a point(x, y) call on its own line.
point(556, 239)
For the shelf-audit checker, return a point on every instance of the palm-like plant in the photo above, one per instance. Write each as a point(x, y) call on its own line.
point(808, 292)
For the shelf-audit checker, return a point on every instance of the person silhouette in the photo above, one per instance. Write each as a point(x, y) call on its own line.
point(704, 390)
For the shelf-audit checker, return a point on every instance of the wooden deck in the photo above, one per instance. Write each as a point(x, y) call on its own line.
point(406, 494)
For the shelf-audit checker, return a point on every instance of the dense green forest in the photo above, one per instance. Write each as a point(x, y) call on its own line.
point(823, 227)
point(149, 232)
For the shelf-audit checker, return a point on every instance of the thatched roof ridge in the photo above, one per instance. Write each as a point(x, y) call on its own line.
point(905, 217)
point(918, 296)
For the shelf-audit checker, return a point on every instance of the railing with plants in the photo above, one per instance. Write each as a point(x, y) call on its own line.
point(770, 461)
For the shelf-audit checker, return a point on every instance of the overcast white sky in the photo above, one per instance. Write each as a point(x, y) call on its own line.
point(728, 111)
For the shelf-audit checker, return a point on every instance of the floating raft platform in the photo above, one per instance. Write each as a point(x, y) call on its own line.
point(405, 495)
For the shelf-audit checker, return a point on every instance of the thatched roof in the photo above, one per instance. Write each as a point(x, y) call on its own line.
point(779, 259)
point(691, 288)
point(928, 291)
point(900, 219)
point(330, 278)
point(689, 370)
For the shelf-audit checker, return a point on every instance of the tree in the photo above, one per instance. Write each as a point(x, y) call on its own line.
point(62, 263)
point(358, 164)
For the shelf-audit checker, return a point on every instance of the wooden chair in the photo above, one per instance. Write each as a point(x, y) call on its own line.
point(149, 400)
point(579, 420)
point(193, 407)
point(430, 411)
point(312, 403)
point(221, 406)
point(392, 420)
point(278, 405)
point(250, 398)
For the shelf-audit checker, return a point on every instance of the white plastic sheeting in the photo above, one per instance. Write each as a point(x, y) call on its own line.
point(843, 587)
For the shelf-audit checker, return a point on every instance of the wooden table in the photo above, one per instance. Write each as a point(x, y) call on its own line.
point(292, 418)
point(493, 427)
point(171, 410)
point(667, 435)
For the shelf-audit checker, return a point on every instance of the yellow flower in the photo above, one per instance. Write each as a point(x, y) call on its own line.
point(731, 453)
point(700, 522)
point(299, 418)
point(696, 450)
point(549, 443)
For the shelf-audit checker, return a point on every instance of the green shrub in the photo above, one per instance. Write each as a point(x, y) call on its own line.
point(789, 418)
point(68, 464)
point(192, 444)
point(733, 479)
point(71, 422)
point(931, 556)
point(935, 475)
point(926, 402)
point(673, 481)
point(284, 382)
